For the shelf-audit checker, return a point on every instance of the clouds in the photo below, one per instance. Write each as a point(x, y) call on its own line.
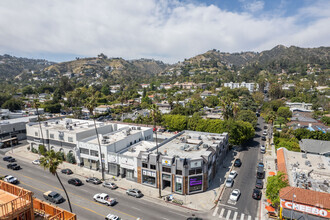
point(165, 30)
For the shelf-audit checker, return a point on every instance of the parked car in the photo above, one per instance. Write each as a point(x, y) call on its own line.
point(264, 133)
point(75, 181)
point(134, 192)
point(229, 182)
point(36, 162)
point(261, 164)
point(265, 126)
point(257, 194)
point(53, 197)
point(14, 166)
point(235, 195)
point(194, 218)
point(263, 138)
point(232, 174)
point(105, 199)
point(67, 171)
point(260, 173)
point(262, 149)
point(259, 184)
point(237, 162)
point(10, 179)
point(110, 185)
point(112, 217)
point(93, 180)
point(9, 159)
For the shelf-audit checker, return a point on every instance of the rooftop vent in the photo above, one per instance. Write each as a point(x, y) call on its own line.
point(304, 156)
point(56, 122)
point(75, 124)
point(205, 145)
point(138, 128)
point(104, 141)
point(320, 165)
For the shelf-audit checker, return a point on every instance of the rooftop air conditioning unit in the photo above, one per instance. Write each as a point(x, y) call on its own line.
point(138, 128)
point(56, 122)
point(205, 145)
point(104, 141)
point(70, 128)
point(75, 124)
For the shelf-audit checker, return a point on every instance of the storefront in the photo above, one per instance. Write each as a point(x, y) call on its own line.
point(195, 183)
point(113, 169)
point(178, 184)
point(297, 203)
point(149, 178)
point(167, 180)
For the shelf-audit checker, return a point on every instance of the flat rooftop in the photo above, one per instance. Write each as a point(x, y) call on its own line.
point(18, 120)
point(68, 125)
point(191, 144)
point(122, 132)
point(309, 171)
point(135, 149)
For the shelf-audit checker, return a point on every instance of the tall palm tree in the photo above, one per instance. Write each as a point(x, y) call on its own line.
point(50, 162)
point(36, 106)
point(90, 105)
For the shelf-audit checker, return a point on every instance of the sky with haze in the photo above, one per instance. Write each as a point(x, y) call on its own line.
point(165, 30)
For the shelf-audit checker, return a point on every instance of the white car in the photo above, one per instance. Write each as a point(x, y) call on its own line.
point(232, 174)
point(235, 195)
point(105, 199)
point(229, 182)
point(112, 217)
point(264, 133)
point(36, 162)
point(10, 179)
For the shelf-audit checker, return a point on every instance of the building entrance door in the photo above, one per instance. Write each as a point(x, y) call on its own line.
point(167, 181)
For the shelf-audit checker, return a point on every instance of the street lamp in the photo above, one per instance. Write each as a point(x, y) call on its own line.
point(293, 196)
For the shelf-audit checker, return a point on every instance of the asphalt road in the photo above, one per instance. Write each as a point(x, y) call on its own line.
point(245, 181)
point(34, 178)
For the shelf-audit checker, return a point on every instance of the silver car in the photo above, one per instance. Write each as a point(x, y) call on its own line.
point(229, 182)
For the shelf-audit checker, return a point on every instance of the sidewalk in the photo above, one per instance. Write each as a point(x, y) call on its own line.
point(270, 166)
point(200, 202)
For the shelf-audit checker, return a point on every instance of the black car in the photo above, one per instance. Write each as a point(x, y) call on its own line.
point(263, 138)
point(259, 184)
point(67, 171)
point(256, 194)
point(237, 162)
point(194, 218)
point(93, 180)
point(9, 159)
point(13, 166)
point(75, 181)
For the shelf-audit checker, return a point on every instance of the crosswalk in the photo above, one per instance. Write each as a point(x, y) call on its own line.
point(228, 214)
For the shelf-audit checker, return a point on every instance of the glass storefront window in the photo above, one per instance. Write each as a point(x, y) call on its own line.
point(178, 184)
point(195, 183)
point(149, 177)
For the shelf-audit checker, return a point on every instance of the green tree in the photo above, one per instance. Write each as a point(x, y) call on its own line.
point(274, 184)
point(281, 121)
point(175, 122)
point(211, 101)
point(105, 90)
point(13, 104)
point(248, 116)
point(50, 162)
point(42, 150)
point(70, 158)
point(27, 90)
point(284, 112)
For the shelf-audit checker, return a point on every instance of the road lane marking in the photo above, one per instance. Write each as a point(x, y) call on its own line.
point(242, 217)
point(235, 215)
point(112, 209)
point(221, 213)
point(249, 217)
point(215, 211)
point(178, 214)
point(228, 214)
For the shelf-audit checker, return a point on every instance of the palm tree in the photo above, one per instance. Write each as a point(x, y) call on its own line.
point(90, 105)
point(36, 106)
point(50, 162)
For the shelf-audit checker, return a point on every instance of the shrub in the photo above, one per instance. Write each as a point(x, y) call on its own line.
point(70, 158)
point(28, 148)
point(34, 150)
point(62, 156)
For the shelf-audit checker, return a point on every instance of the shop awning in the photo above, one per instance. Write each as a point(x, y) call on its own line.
point(270, 209)
point(271, 173)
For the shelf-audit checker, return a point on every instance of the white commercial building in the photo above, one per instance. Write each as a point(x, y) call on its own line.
point(117, 155)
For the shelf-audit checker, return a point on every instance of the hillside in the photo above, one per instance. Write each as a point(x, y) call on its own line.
point(11, 66)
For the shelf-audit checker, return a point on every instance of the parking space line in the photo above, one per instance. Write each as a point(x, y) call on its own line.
point(215, 211)
point(221, 213)
point(242, 216)
point(228, 214)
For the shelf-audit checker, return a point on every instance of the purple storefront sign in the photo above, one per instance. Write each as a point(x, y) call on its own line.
point(195, 181)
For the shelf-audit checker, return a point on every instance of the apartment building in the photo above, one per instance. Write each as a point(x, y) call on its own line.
point(250, 86)
point(186, 163)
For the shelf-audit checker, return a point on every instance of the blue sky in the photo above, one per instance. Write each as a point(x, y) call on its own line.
point(167, 30)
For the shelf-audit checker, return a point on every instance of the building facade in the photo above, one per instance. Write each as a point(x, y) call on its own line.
point(186, 163)
point(15, 127)
point(250, 86)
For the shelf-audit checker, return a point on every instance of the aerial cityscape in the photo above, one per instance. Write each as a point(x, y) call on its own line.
point(165, 110)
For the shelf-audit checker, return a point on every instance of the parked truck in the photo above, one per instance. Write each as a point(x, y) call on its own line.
point(104, 198)
point(53, 197)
